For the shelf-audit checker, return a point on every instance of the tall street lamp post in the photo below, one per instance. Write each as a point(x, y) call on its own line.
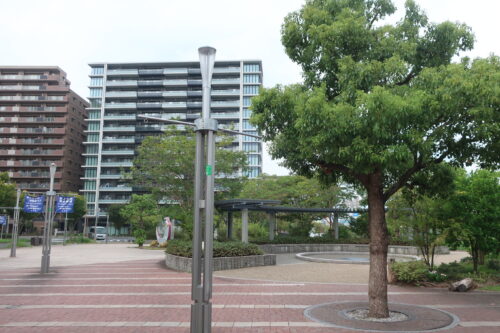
point(202, 263)
point(16, 225)
point(49, 218)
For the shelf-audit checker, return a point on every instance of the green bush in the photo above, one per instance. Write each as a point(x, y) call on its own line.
point(493, 264)
point(435, 276)
point(221, 249)
point(410, 272)
point(140, 236)
point(79, 239)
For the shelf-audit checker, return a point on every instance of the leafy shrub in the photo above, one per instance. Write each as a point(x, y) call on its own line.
point(163, 245)
point(140, 236)
point(79, 239)
point(493, 264)
point(435, 276)
point(226, 249)
point(410, 272)
point(154, 243)
point(455, 270)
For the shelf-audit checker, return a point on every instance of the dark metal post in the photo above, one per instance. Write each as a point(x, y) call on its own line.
point(229, 225)
point(16, 225)
point(107, 227)
point(65, 227)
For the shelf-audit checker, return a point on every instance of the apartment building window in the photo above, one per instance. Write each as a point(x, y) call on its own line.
point(92, 149)
point(253, 159)
point(251, 68)
point(97, 70)
point(246, 101)
point(250, 138)
point(91, 160)
point(95, 103)
point(252, 172)
point(90, 173)
point(89, 185)
point(89, 197)
point(96, 81)
point(251, 147)
point(94, 126)
point(247, 113)
point(251, 90)
point(95, 92)
point(247, 125)
point(251, 78)
point(94, 114)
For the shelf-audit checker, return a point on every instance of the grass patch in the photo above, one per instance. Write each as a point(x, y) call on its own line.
point(79, 239)
point(491, 288)
point(20, 242)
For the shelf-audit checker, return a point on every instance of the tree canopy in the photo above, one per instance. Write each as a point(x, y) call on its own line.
point(380, 104)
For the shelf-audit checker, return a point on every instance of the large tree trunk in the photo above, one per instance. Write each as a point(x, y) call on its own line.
point(379, 242)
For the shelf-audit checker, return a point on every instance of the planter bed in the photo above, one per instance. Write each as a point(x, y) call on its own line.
point(183, 264)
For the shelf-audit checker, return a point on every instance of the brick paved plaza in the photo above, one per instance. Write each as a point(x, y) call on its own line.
point(144, 296)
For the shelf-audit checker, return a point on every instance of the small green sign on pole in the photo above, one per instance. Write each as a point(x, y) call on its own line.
point(208, 170)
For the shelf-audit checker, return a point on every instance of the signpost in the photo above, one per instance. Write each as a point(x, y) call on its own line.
point(205, 127)
point(65, 205)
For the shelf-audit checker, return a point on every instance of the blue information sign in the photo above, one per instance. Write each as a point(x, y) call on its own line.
point(33, 204)
point(3, 219)
point(65, 204)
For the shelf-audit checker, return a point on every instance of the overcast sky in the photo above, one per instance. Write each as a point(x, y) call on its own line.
point(72, 33)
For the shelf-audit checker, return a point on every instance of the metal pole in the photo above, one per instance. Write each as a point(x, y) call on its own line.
point(96, 220)
point(16, 225)
point(85, 226)
point(107, 227)
point(49, 216)
point(65, 227)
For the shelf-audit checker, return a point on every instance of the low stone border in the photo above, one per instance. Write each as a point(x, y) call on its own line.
point(420, 318)
point(183, 264)
point(297, 248)
point(307, 256)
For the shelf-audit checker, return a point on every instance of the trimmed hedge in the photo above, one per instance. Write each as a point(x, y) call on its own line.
point(221, 249)
point(326, 239)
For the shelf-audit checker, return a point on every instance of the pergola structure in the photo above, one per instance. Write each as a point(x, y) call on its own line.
point(270, 207)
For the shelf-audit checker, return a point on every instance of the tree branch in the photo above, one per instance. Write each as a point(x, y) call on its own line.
point(417, 166)
point(331, 167)
point(407, 79)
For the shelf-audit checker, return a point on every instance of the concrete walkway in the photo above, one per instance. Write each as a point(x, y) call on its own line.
point(143, 296)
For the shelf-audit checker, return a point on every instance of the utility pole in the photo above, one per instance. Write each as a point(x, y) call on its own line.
point(49, 217)
point(107, 227)
point(96, 220)
point(16, 225)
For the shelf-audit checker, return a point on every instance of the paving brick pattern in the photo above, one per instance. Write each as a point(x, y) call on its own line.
point(144, 296)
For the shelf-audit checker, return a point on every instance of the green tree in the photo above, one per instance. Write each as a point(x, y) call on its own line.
point(165, 166)
point(379, 104)
point(115, 216)
point(143, 214)
point(474, 211)
point(79, 210)
point(7, 191)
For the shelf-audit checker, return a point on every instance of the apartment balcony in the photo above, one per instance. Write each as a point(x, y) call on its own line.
point(33, 99)
point(30, 120)
point(229, 81)
point(175, 83)
point(119, 129)
point(228, 115)
point(149, 105)
point(36, 77)
point(28, 130)
point(150, 71)
point(118, 140)
point(33, 152)
point(120, 117)
point(226, 70)
point(125, 72)
point(28, 164)
point(118, 152)
point(38, 142)
point(115, 189)
point(226, 92)
point(33, 174)
point(117, 164)
point(111, 176)
point(149, 83)
point(120, 106)
point(121, 83)
point(121, 94)
point(113, 201)
point(38, 187)
point(225, 104)
point(175, 71)
point(29, 88)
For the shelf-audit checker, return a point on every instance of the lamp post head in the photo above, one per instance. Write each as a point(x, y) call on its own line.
point(52, 169)
point(207, 61)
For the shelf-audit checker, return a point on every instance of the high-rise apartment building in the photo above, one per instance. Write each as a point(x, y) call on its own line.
point(41, 121)
point(121, 91)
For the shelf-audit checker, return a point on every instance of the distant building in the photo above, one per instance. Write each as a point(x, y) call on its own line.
point(121, 91)
point(41, 121)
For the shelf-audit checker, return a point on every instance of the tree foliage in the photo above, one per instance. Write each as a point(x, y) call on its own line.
point(7, 191)
point(142, 212)
point(379, 105)
point(165, 166)
point(474, 211)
